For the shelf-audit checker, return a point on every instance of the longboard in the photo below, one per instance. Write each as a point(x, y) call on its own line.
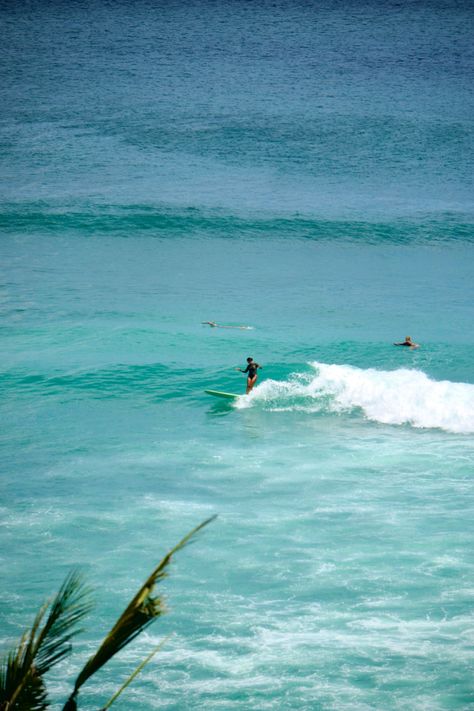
point(218, 393)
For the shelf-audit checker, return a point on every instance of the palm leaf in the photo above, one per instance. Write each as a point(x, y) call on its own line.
point(21, 673)
point(68, 608)
point(20, 686)
point(142, 610)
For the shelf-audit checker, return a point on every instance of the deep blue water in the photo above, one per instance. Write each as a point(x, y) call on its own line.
point(304, 169)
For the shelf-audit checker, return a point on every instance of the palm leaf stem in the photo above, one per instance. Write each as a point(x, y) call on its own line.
point(134, 674)
point(141, 611)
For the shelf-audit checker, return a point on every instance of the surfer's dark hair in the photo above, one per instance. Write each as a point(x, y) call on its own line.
point(249, 359)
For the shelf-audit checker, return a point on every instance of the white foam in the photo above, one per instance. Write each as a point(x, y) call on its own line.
point(392, 397)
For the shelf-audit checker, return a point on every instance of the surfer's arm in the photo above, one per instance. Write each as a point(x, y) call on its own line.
point(248, 367)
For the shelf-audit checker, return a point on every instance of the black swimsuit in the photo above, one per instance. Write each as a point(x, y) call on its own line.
point(251, 369)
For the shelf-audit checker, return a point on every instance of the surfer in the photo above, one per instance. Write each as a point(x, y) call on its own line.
point(408, 342)
point(251, 371)
point(213, 324)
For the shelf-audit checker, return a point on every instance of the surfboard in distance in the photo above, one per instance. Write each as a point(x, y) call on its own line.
point(218, 393)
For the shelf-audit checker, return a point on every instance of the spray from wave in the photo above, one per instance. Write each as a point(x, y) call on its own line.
point(391, 397)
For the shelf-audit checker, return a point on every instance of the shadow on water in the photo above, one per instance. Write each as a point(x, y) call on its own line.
point(220, 408)
point(250, 421)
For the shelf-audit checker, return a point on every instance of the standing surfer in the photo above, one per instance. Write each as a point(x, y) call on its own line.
point(251, 371)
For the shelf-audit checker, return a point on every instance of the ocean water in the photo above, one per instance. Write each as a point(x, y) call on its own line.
point(301, 168)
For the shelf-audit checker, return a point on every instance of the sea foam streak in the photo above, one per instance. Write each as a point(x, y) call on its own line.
point(393, 397)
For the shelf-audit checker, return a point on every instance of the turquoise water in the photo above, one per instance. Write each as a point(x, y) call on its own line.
point(302, 169)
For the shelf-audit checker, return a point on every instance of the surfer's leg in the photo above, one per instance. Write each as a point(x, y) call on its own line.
point(250, 383)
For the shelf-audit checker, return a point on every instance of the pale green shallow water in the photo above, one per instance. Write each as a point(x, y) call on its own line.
point(304, 170)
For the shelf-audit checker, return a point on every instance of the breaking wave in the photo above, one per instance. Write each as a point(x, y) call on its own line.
point(391, 397)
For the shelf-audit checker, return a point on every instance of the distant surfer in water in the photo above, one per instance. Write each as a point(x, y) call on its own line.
point(213, 324)
point(408, 342)
point(251, 371)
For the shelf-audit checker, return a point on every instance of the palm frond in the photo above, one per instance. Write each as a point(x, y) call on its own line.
point(68, 608)
point(142, 610)
point(31, 695)
point(21, 673)
point(19, 683)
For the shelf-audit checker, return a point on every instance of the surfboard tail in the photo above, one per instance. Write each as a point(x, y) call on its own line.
point(219, 393)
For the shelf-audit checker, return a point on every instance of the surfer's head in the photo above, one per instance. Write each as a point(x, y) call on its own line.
point(249, 359)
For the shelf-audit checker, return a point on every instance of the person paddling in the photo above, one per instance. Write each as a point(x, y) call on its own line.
point(251, 371)
point(213, 324)
point(408, 342)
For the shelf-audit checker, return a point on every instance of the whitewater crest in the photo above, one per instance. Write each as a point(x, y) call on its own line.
point(395, 397)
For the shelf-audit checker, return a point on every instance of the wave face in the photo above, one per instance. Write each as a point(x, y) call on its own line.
point(172, 221)
point(398, 397)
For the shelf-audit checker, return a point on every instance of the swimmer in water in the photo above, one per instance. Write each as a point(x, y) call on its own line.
point(213, 324)
point(408, 342)
point(251, 371)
